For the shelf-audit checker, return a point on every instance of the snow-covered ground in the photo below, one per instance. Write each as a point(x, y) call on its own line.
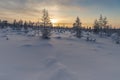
point(63, 57)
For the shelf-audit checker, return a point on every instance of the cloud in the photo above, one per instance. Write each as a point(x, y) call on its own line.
point(62, 9)
point(24, 4)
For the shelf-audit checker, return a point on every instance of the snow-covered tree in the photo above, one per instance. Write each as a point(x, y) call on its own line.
point(46, 19)
point(77, 27)
point(96, 26)
point(100, 24)
point(46, 25)
point(25, 26)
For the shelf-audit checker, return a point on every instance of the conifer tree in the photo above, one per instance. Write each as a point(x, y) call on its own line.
point(77, 27)
point(46, 25)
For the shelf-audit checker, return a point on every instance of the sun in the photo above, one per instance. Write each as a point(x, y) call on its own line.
point(53, 21)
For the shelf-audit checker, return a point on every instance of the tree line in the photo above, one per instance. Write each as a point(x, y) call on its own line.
point(100, 26)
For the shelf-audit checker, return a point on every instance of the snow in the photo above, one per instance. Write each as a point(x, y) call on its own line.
point(63, 57)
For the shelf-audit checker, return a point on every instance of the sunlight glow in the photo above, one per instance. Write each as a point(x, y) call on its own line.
point(54, 20)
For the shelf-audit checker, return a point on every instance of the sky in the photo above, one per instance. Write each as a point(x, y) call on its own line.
point(62, 11)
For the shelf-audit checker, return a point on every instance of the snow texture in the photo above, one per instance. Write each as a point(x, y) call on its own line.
point(63, 57)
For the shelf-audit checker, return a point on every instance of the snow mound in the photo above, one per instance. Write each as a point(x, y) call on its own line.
point(31, 34)
point(46, 45)
point(65, 35)
point(114, 36)
point(27, 45)
point(37, 45)
point(63, 74)
point(50, 61)
point(57, 70)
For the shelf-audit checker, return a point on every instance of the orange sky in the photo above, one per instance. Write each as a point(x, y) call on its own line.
point(63, 11)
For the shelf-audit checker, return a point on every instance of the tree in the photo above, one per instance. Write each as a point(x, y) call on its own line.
point(20, 24)
point(14, 24)
point(105, 22)
point(46, 19)
point(46, 25)
point(100, 21)
point(77, 23)
point(101, 24)
point(77, 27)
point(25, 24)
point(4, 24)
point(96, 26)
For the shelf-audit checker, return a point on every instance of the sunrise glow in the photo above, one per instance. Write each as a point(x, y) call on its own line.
point(54, 21)
point(63, 10)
